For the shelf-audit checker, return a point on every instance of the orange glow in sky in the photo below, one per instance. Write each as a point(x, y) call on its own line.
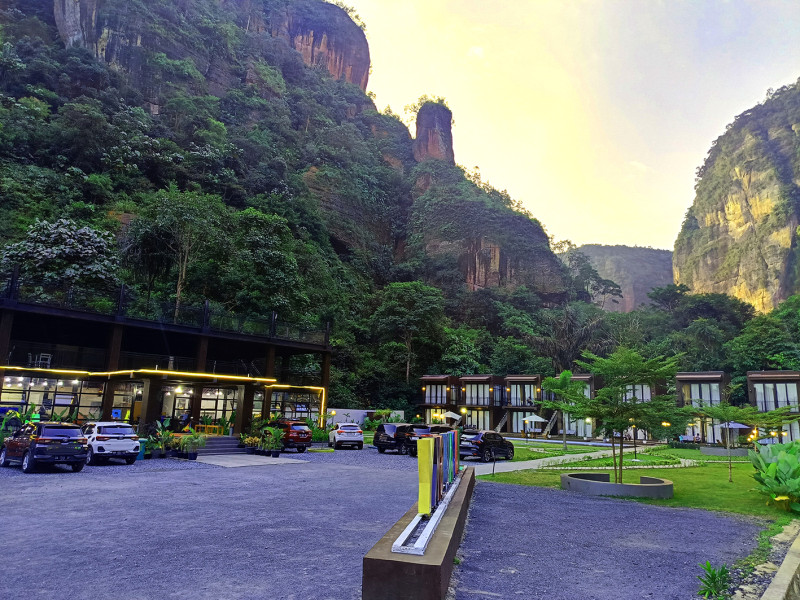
point(594, 113)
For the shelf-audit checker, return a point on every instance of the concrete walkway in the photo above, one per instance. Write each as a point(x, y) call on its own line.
point(245, 460)
point(505, 466)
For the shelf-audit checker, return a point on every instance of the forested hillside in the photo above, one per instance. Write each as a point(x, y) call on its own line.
point(226, 150)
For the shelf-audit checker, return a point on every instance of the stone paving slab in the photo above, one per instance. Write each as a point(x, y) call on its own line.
point(245, 460)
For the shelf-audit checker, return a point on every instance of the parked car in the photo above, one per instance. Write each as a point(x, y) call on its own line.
point(385, 437)
point(411, 440)
point(346, 434)
point(45, 442)
point(296, 434)
point(485, 445)
point(110, 439)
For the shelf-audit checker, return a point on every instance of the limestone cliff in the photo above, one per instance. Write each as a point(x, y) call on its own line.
point(323, 34)
point(740, 235)
point(434, 139)
point(635, 270)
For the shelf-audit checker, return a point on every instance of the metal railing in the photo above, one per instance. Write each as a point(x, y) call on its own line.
point(123, 302)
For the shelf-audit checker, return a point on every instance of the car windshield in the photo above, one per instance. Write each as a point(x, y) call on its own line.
point(389, 428)
point(421, 430)
point(300, 428)
point(349, 427)
point(116, 429)
point(55, 431)
point(472, 436)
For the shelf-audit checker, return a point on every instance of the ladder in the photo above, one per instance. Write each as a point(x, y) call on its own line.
point(550, 424)
point(502, 422)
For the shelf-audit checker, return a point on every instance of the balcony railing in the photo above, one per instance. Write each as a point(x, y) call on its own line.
point(124, 302)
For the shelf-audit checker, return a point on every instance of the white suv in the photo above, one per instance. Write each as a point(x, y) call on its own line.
point(110, 439)
point(346, 434)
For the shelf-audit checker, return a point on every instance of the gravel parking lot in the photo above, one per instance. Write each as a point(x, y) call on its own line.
point(537, 543)
point(298, 531)
point(179, 529)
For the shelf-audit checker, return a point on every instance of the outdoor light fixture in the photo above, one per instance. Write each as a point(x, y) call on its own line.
point(463, 411)
point(60, 383)
point(178, 390)
point(423, 388)
point(665, 423)
point(448, 388)
point(75, 382)
point(463, 389)
point(588, 419)
point(491, 389)
point(508, 389)
point(773, 433)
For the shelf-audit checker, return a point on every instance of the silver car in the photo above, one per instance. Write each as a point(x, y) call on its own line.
point(346, 434)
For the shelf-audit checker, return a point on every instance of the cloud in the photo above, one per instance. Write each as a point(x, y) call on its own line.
point(475, 51)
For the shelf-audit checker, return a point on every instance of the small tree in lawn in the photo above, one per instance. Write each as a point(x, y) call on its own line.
point(568, 396)
point(614, 406)
point(725, 412)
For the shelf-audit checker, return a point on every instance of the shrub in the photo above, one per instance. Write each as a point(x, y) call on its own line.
point(778, 471)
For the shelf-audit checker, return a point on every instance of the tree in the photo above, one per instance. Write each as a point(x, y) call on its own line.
point(725, 412)
point(568, 397)
point(614, 406)
point(412, 312)
point(668, 297)
point(64, 254)
point(570, 331)
point(183, 226)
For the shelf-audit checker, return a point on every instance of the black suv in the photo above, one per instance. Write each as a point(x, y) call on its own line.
point(386, 437)
point(486, 445)
point(428, 431)
point(46, 442)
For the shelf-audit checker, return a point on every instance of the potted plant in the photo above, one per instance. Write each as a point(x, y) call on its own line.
point(251, 443)
point(273, 437)
point(161, 439)
point(191, 442)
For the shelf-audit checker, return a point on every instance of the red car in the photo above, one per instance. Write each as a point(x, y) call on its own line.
point(296, 434)
point(47, 442)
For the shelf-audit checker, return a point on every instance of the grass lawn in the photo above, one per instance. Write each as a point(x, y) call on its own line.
point(642, 460)
point(368, 436)
point(696, 455)
point(533, 450)
point(704, 486)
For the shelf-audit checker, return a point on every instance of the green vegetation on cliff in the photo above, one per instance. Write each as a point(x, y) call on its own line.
point(739, 236)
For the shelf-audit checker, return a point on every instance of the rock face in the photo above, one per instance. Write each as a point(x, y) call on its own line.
point(635, 270)
point(740, 235)
point(434, 139)
point(323, 34)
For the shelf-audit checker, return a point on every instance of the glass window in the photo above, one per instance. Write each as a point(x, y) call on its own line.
point(116, 429)
point(56, 431)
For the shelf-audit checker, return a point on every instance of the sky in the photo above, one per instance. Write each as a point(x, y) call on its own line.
point(595, 114)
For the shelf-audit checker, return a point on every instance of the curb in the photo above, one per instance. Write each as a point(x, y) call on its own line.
point(786, 583)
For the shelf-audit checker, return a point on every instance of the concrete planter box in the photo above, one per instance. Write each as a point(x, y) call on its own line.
point(599, 484)
point(720, 451)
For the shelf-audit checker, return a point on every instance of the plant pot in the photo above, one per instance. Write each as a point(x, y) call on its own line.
point(148, 456)
point(191, 455)
point(174, 453)
point(162, 454)
point(250, 450)
point(276, 454)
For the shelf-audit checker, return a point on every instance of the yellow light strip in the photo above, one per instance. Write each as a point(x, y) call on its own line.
point(133, 372)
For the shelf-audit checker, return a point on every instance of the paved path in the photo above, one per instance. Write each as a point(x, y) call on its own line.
point(505, 466)
point(246, 460)
point(536, 543)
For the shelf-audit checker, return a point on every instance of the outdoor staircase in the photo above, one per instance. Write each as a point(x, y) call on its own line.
point(550, 424)
point(221, 444)
point(502, 422)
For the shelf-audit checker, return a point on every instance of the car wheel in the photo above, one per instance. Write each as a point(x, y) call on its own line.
point(360, 445)
point(90, 458)
point(402, 449)
point(3, 459)
point(510, 453)
point(412, 453)
point(381, 449)
point(130, 460)
point(330, 444)
point(28, 464)
point(301, 449)
point(486, 455)
point(77, 467)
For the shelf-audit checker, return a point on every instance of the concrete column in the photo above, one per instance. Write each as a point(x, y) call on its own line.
point(114, 348)
point(269, 367)
point(196, 404)
point(326, 370)
point(151, 402)
point(244, 408)
point(201, 356)
point(6, 324)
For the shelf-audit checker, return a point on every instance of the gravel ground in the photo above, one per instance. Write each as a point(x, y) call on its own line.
point(368, 456)
point(179, 529)
point(532, 543)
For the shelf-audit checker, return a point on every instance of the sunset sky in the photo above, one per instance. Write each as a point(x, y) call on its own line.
point(594, 113)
